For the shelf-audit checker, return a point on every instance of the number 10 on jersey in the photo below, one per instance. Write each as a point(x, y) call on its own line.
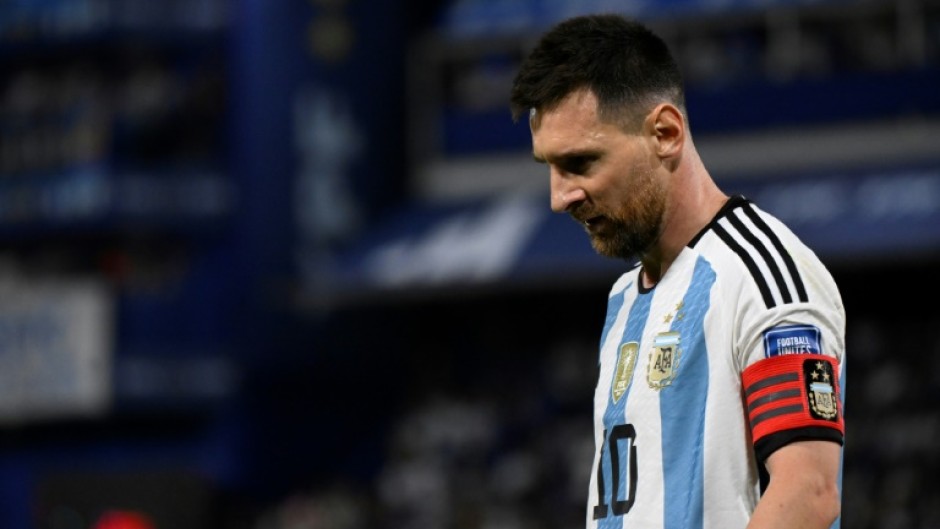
point(622, 443)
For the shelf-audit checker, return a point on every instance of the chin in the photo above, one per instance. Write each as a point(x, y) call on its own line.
point(619, 247)
point(606, 249)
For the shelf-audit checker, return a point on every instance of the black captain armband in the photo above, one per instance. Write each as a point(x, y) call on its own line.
point(793, 397)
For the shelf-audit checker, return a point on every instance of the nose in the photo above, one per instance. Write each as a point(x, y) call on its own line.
point(565, 193)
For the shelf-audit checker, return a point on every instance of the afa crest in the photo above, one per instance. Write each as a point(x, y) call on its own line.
point(822, 397)
point(664, 360)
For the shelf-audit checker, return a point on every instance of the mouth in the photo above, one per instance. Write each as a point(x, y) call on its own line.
point(591, 222)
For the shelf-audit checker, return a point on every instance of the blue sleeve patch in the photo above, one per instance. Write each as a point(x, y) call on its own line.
point(792, 340)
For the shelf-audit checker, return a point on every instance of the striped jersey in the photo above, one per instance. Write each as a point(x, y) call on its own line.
point(674, 419)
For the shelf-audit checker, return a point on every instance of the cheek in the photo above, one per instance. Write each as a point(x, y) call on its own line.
point(635, 181)
point(638, 192)
point(626, 184)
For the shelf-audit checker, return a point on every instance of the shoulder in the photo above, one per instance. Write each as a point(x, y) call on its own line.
point(772, 283)
point(753, 245)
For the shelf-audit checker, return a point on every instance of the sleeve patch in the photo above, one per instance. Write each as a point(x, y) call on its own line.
point(820, 392)
point(792, 339)
point(792, 393)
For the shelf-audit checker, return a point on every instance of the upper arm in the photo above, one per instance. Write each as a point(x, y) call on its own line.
point(814, 462)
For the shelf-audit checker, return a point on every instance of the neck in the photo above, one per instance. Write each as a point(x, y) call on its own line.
point(694, 200)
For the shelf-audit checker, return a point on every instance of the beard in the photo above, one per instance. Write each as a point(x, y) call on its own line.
point(634, 227)
point(626, 240)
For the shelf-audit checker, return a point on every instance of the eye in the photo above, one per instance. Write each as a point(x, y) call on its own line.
point(578, 164)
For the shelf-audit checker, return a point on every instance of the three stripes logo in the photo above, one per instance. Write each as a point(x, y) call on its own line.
point(764, 255)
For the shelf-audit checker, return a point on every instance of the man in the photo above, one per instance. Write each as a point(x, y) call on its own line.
point(719, 400)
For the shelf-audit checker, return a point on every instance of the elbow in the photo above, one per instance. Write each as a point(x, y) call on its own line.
point(809, 501)
point(828, 501)
point(833, 507)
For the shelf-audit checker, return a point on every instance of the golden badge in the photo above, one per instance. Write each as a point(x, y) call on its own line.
point(664, 360)
point(822, 396)
point(625, 364)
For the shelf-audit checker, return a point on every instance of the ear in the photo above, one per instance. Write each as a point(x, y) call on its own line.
point(667, 128)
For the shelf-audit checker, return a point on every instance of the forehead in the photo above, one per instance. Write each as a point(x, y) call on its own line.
point(573, 123)
point(577, 108)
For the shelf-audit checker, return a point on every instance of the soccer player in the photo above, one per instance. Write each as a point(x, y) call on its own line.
point(719, 400)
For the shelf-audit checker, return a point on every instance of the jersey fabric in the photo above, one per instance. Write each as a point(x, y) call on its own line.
point(674, 443)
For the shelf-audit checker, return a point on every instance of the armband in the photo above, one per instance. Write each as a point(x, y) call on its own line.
point(793, 397)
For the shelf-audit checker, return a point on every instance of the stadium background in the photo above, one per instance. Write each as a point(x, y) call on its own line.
point(287, 264)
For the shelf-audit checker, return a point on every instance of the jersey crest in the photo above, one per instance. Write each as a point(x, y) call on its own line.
point(624, 373)
point(819, 390)
point(663, 364)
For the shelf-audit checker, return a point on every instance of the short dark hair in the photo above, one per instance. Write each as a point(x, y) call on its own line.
point(625, 65)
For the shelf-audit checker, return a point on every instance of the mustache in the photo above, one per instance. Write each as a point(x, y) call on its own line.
point(583, 215)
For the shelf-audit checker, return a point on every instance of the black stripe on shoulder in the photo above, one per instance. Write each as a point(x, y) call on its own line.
point(748, 262)
point(765, 255)
point(730, 204)
point(787, 258)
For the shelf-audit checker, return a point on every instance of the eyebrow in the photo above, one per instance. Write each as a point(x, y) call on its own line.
point(568, 155)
